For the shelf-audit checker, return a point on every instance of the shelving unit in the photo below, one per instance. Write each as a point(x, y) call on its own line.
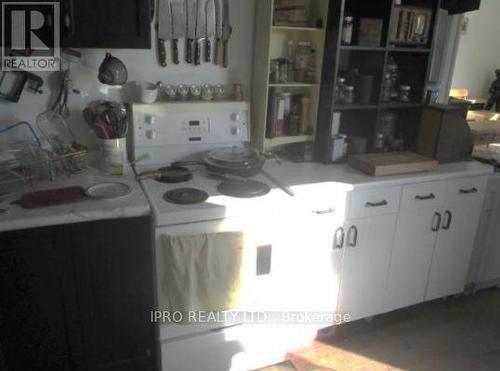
point(414, 64)
point(270, 43)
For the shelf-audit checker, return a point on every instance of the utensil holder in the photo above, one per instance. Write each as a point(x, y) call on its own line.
point(113, 155)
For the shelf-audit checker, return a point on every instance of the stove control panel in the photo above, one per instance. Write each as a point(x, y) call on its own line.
point(166, 129)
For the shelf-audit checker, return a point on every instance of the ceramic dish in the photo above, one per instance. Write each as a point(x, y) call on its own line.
point(102, 191)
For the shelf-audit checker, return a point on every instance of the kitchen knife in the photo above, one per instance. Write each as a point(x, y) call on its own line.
point(164, 30)
point(218, 33)
point(210, 29)
point(200, 30)
point(178, 27)
point(226, 33)
point(191, 29)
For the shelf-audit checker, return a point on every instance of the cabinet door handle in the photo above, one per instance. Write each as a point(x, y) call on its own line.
point(468, 191)
point(322, 212)
point(447, 223)
point(432, 196)
point(338, 240)
point(352, 242)
point(437, 225)
point(377, 204)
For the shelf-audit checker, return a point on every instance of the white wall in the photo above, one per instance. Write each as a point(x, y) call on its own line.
point(142, 65)
point(479, 50)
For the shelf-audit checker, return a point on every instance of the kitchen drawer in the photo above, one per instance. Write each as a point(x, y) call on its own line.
point(466, 189)
point(423, 195)
point(374, 202)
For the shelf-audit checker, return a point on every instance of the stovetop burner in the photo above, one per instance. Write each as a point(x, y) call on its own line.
point(186, 196)
point(243, 188)
point(174, 174)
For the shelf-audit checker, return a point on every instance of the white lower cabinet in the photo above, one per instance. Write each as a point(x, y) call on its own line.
point(367, 250)
point(455, 242)
point(417, 229)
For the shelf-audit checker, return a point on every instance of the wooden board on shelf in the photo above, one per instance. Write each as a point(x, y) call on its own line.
point(279, 141)
point(392, 163)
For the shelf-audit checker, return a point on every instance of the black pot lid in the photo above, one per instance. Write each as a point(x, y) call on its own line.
point(186, 196)
point(243, 188)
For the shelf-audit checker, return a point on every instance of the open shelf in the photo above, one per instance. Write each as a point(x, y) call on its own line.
point(349, 107)
point(293, 85)
point(296, 28)
point(363, 48)
point(279, 141)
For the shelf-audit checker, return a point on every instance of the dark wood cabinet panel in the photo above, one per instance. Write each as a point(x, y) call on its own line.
point(37, 302)
point(78, 297)
point(106, 23)
point(114, 273)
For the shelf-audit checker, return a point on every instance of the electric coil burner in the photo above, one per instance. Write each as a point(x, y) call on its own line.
point(174, 174)
point(185, 196)
point(243, 188)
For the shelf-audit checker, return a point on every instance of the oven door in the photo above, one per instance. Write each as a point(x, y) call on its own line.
point(290, 264)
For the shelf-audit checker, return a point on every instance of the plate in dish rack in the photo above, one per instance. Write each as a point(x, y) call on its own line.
point(102, 191)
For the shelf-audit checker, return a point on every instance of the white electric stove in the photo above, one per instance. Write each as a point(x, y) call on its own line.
point(275, 223)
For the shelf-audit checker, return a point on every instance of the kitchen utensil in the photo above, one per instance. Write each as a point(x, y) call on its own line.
point(218, 32)
point(178, 27)
point(102, 191)
point(210, 29)
point(278, 183)
point(191, 12)
point(226, 33)
point(392, 163)
point(112, 71)
point(51, 197)
point(164, 29)
point(200, 30)
point(170, 174)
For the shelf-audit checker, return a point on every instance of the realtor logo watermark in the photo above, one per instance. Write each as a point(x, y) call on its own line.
point(30, 36)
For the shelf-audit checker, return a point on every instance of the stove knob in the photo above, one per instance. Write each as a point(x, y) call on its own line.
point(235, 130)
point(151, 134)
point(235, 117)
point(149, 119)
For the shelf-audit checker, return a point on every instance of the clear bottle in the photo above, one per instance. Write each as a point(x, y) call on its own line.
point(379, 143)
point(347, 30)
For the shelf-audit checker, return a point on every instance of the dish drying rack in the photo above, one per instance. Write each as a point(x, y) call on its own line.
point(27, 161)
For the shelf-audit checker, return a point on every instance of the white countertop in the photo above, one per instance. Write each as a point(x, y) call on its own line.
point(342, 174)
point(132, 205)
point(317, 183)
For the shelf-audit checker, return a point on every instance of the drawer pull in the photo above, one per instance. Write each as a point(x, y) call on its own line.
point(322, 212)
point(377, 204)
point(468, 191)
point(423, 198)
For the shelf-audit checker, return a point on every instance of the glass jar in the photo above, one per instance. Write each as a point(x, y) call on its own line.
point(339, 90)
point(347, 30)
point(404, 93)
point(302, 58)
point(349, 95)
point(379, 143)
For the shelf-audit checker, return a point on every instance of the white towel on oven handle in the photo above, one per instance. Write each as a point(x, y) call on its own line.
point(202, 272)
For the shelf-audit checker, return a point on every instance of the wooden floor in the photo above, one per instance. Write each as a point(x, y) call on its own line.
point(453, 334)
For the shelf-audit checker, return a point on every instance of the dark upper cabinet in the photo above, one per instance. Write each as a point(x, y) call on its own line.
point(106, 23)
